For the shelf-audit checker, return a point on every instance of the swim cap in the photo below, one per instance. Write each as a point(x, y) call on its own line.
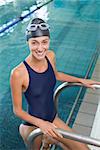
point(37, 28)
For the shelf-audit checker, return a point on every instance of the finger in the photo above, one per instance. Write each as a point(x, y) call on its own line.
point(54, 125)
point(57, 133)
point(90, 86)
point(95, 82)
point(93, 88)
point(98, 83)
point(52, 134)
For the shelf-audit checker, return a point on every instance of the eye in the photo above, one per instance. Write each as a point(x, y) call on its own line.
point(45, 42)
point(34, 43)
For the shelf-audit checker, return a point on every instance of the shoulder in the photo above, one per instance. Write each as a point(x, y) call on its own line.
point(51, 56)
point(17, 72)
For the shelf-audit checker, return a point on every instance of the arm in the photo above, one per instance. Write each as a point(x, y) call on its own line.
point(16, 83)
point(16, 88)
point(68, 78)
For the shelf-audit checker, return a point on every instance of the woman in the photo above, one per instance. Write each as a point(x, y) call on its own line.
point(36, 78)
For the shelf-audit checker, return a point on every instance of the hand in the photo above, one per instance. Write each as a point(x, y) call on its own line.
point(89, 83)
point(49, 129)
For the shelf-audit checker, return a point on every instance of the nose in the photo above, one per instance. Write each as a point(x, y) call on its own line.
point(40, 47)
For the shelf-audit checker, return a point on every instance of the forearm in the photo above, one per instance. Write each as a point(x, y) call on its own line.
point(68, 78)
point(27, 117)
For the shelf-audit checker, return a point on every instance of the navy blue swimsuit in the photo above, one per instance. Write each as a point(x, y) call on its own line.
point(39, 93)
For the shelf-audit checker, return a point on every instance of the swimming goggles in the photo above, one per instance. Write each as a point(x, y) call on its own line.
point(34, 27)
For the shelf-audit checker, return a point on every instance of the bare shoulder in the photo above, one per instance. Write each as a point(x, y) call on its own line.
point(18, 72)
point(51, 56)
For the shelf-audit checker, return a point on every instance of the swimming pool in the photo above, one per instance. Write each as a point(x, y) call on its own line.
point(75, 36)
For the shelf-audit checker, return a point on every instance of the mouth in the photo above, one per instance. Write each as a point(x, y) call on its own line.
point(40, 53)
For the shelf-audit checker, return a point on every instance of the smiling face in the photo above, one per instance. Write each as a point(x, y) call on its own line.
point(39, 47)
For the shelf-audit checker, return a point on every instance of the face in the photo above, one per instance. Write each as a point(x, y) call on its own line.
point(39, 46)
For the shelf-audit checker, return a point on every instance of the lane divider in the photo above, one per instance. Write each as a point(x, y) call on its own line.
point(19, 19)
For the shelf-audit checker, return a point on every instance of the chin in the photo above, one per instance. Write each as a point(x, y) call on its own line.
point(39, 57)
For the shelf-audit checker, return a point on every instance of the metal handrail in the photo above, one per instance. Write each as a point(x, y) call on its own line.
point(66, 134)
point(93, 59)
point(61, 87)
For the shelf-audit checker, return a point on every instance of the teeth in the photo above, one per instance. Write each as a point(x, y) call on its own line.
point(40, 53)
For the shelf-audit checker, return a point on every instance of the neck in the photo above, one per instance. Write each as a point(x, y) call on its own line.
point(37, 62)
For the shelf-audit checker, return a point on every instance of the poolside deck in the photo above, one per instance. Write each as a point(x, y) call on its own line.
point(87, 121)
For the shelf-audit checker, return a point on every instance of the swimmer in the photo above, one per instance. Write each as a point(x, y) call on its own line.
point(36, 77)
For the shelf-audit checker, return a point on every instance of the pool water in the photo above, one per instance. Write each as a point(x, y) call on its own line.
point(75, 38)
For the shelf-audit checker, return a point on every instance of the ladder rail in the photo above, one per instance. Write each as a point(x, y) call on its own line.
point(66, 134)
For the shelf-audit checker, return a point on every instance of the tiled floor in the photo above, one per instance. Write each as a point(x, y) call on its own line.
point(86, 122)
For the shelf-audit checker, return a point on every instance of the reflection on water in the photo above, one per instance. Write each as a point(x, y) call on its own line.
point(14, 10)
point(43, 12)
point(40, 13)
point(4, 2)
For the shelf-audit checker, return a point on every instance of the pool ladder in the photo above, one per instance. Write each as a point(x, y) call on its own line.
point(65, 134)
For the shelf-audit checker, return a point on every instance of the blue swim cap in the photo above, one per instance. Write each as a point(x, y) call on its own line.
point(37, 28)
